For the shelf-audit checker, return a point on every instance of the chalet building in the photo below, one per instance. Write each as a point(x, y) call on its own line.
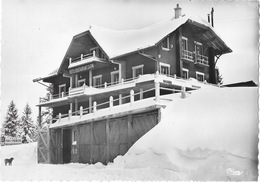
point(109, 87)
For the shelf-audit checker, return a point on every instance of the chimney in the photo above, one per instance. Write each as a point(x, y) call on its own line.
point(177, 11)
point(212, 17)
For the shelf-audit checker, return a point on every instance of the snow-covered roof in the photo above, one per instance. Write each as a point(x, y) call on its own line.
point(117, 43)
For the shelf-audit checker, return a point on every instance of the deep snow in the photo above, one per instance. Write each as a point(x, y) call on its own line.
point(210, 135)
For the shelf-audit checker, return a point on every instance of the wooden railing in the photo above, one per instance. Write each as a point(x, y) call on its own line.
point(200, 59)
point(82, 57)
point(129, 99)
point(196, 58)
point(187, 55)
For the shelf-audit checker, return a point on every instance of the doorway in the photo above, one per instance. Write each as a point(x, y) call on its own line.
point(66, 145)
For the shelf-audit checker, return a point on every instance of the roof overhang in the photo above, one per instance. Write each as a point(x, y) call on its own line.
point(209, 36)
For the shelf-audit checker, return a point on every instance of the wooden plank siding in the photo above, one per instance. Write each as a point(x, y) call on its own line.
point(103, 140)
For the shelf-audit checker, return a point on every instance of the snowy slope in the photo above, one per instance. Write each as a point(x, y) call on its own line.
point(211, 135)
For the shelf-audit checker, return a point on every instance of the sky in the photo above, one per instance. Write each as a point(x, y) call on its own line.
point(35, 35)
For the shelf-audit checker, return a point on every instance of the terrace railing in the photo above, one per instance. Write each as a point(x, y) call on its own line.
point(129, 99)
point(81, 90)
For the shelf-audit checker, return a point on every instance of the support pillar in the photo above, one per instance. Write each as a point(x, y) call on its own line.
point(179, 64)
point(40, 117)
point(76, 106)
point(141, 93)
point(90, 77)
point(90, 104)
point(212, 72)
point(120, 99)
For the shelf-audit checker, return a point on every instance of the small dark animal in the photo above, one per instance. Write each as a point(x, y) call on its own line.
point(9, 161)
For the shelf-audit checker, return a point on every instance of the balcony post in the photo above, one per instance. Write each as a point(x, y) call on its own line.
point(90, 104)
point(90, 78)
point(94, 53)
point(70, 60)
point(94, 107)
point(81, 57)
point(84, 87)
point(110, 102)
point(120, 99)
point(183, 92)
point(141, 93)
point(122, 80)
point(105, 84)
point(157, 90)
point(70, 114)
point(132, 97)
point(81, 111)
point(62, 94)
point(59, 117)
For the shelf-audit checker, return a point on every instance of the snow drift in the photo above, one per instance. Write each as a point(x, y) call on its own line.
point(210, 135)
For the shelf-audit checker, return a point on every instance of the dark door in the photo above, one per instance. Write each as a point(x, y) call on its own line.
point(66, 145)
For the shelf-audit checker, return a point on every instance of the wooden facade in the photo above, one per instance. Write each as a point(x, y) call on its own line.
point(91, 74)
point(101, 140)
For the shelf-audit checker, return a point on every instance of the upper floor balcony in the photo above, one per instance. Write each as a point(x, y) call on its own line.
point(146, 80)
point(84, 59)
point(196, 58)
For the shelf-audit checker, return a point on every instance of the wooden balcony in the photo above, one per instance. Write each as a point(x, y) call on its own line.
point(187, 55)
point(196, 58)
point(203, 60)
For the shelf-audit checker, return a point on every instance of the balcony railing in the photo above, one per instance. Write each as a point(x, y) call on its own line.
point(82, 57)
point(187, 55)
point(96, 109)
point(202, 60)
point(196, 58)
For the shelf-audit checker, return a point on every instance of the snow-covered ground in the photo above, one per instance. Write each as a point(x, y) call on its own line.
point(210, 135)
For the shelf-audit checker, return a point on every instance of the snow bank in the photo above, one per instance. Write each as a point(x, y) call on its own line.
point(25, 168)
point(211, 135)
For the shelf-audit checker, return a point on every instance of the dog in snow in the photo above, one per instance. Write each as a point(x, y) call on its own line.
point(9, 161)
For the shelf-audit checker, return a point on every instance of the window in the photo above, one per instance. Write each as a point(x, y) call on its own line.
point(185, 73)
point(166, 43)
point(198, 48)
point(164, 68)
point(62, 88)
point(184, 43)
point(74, 138)
point(115, 77)
point(81, 82)
point(137, 70)
point(199, 76)
point(97, 81)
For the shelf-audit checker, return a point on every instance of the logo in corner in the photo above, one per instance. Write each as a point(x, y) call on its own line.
point(233, 172)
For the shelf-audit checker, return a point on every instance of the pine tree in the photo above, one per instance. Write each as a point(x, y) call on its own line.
point(11, 120)
point(28, 127)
